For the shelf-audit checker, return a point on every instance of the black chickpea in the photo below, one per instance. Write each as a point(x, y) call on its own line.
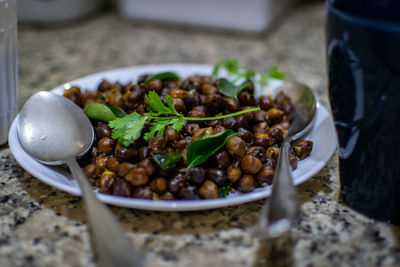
point(244, 162)
point(250, 164)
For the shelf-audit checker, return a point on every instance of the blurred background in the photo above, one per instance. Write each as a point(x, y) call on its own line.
point(61, 40)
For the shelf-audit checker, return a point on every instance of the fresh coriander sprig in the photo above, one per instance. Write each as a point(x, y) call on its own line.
point(129, 128)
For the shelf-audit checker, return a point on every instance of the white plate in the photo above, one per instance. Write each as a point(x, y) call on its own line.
point(323, 136)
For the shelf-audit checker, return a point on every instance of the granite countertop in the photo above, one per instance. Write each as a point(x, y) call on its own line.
point(42, 226)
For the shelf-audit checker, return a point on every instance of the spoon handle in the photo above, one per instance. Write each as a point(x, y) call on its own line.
point(112, 246)
point(281, 209)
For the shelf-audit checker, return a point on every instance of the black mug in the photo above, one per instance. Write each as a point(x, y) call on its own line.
point(363, 65)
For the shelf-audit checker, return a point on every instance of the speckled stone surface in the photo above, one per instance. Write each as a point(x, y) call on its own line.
point(42, 226)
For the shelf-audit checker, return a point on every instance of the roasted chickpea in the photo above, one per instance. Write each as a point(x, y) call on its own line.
point(233, 173)
point(104, 86)
point(272, 152)
point(265, 176)
point(179, 105)
point(171, 134)
point(214, 102)
point(142, 192)
point(263, 139)
point(148, 166)
point(208, 190)
point(236, 146)
point(74, 94)
point(114, 97)
point(124, 168)
point(223, 159)
point(196, 176)
point(256, 151)
point(102, 130)
point(137, 177)
point(265, 102)
point(176, 183)
point(177, 93)
point(232, 104)
point(245, 134)
point(90, 170)
point(106, 145)
point(230, 123)
point(259, 116)
point(275, 115)
point(123, 153)
point(246, 98)
point(218, 129)
point(191, 99)
point(276, 134)
point(303, 149)
point(154, 85)
point(112, 164)
point(191, 128)
point(144, 152)
point(122, 188)
point(158, 185)
point(133, 97)
point(107, 179)
point(100, 165)
point(250, 164)
point(246, 184)
point(218, 176)
point(209, 89)
point(168, 196)
point(157, 144)
point(198, 112)
point(259, 127)
point(188, 193)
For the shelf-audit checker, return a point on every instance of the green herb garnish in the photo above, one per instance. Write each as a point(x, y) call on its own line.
point(129, 128)
point(223, 191)
point(99, 112)
point(119, 112)
point(236, 73)
point(161, 76)
point(229, 89)
point(167, 160)
point(200, 150)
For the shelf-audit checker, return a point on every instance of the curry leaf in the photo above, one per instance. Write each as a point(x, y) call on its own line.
point(200, 150)
point(161, 76)
point(229, 89)
point(99, 112)
point(223, 191)
point(119, 112)
point(167, 160)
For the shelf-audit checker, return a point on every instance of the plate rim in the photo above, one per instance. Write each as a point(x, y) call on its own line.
point(180, 205)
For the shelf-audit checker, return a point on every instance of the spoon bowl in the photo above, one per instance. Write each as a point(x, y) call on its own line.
point(53, 130)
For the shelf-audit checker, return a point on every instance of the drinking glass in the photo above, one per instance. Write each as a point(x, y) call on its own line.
point(8, 66)
point(363, 64)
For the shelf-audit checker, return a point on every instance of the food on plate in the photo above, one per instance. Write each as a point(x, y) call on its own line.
point(202, 137)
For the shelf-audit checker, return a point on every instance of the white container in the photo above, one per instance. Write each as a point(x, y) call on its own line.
point(55, 10)
point(8, 66)
point(239, 15)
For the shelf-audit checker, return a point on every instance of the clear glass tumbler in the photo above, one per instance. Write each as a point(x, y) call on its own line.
point(8, 66)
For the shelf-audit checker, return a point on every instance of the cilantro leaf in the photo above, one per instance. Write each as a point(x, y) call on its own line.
point(160, 123)
point(156, 107)
point(274, 73)
point(127, 129)
point(223, 191)
point(161, 76)
point(230, 64)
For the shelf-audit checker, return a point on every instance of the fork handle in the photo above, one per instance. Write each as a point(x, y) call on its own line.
point(112, 246)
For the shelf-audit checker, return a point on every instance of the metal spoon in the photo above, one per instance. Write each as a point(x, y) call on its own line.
point(54, 131)
point(279, 212)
